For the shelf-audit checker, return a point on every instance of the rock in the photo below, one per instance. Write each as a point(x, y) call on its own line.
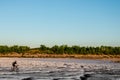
point(85, 76)
point(29, 78)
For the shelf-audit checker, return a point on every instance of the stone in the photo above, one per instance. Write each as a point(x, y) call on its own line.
point(29, 78)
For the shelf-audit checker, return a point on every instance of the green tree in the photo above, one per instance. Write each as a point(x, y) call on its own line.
point(43, 47)
point(76, 49)
point(4, 49)
point(14, 48)
point(55, 49)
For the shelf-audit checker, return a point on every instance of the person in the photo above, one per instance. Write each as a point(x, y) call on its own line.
point(14, 66)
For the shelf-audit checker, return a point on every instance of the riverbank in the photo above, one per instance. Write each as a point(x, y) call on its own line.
point(114, 58)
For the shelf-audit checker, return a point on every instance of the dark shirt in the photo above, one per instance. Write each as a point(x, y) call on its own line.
point(14, 63)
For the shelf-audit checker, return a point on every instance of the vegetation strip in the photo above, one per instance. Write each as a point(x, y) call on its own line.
point(62, 51)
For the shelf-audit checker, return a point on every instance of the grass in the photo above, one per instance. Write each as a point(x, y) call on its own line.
point(79, 56)
point(113, 58)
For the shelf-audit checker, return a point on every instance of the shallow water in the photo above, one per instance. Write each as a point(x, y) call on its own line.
point(59, 69)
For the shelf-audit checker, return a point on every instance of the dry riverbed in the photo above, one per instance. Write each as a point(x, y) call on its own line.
point(59, 69)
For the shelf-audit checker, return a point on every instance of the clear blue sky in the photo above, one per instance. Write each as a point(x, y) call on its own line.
point(57, 22)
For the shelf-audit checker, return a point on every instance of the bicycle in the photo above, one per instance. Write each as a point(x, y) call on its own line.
point(15, 68)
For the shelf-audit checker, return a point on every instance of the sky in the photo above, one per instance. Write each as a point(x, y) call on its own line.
point(60, 22)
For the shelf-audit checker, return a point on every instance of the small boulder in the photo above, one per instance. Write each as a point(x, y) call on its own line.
point(85, 76)
point(29, 78)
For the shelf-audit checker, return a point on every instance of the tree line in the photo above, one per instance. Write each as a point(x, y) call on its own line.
point(18, 49)
point(63, 49)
